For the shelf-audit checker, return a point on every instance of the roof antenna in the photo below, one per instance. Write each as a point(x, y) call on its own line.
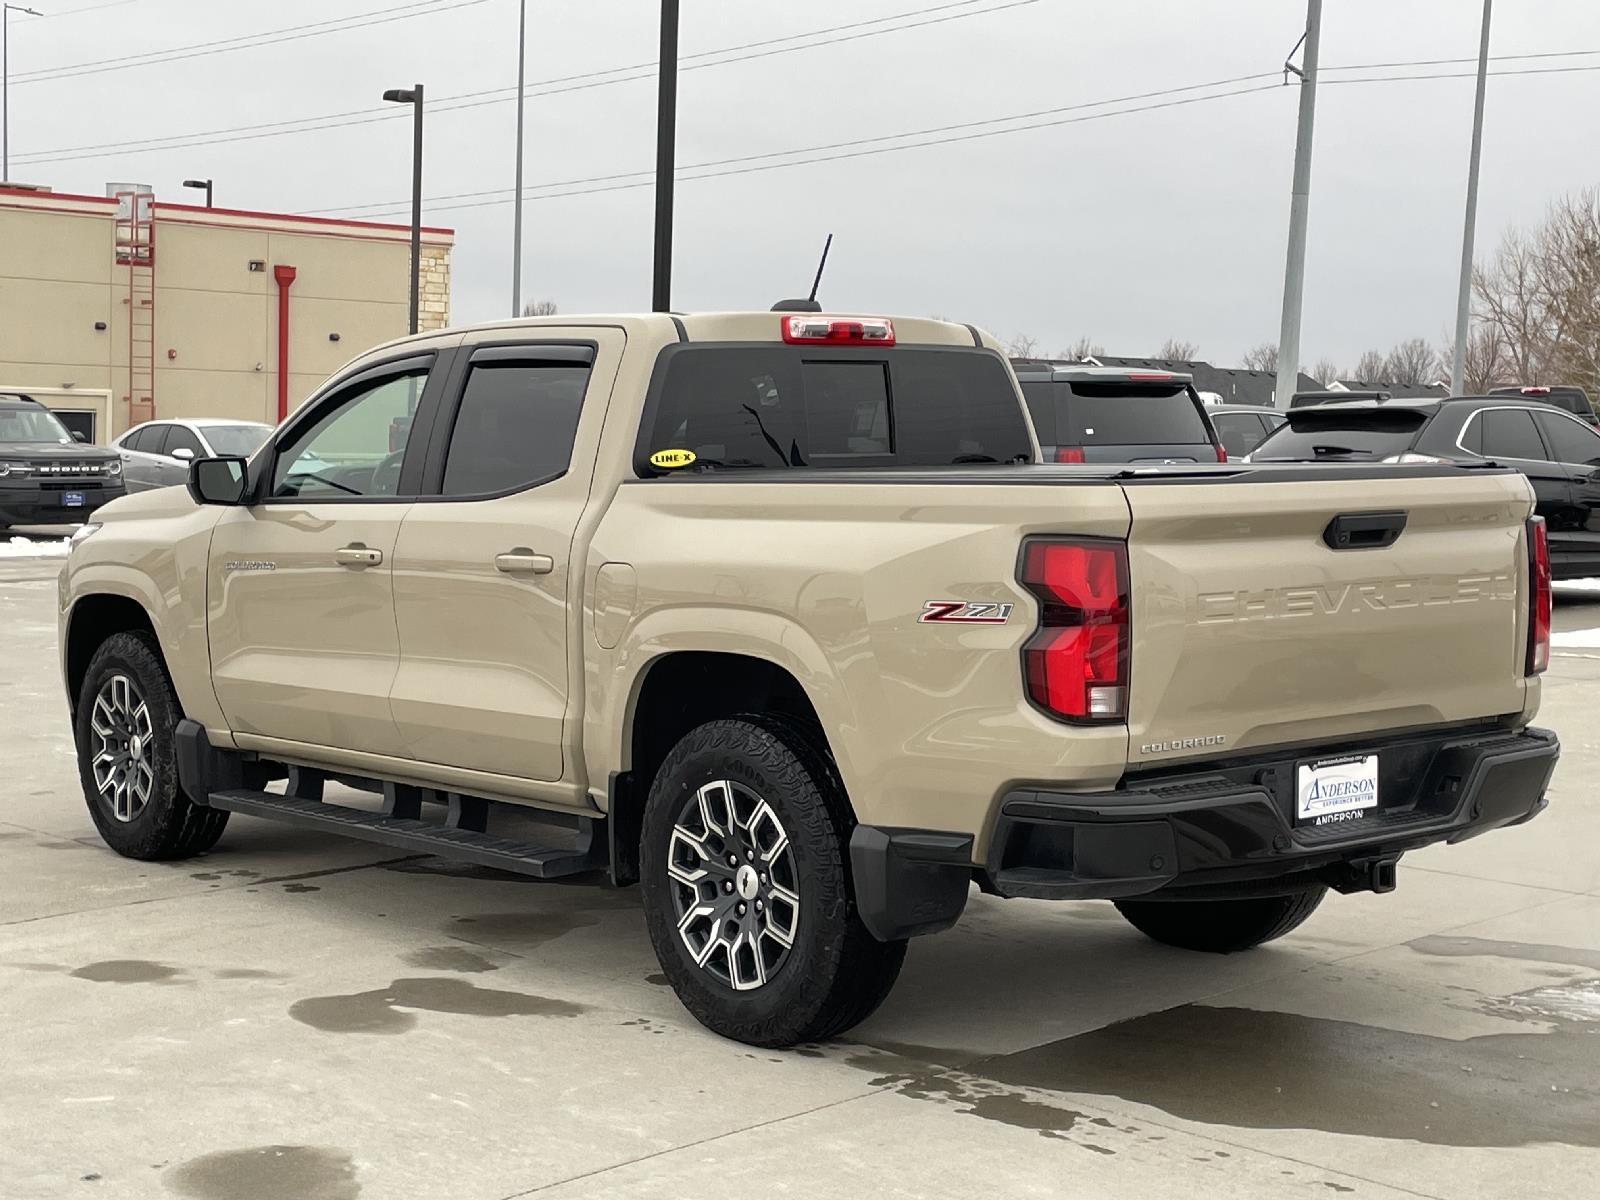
point(809, 304)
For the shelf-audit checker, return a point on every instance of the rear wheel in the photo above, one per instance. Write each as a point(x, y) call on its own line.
point(1221, 926)
point(127, 755)
point(747, 897)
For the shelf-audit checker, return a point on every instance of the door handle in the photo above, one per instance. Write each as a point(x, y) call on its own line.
point(357, 555)
point(523, 561)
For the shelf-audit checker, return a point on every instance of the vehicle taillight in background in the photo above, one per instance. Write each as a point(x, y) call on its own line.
point(1076, 663)
point(1538, 596)
point(1222, 455)
point(1535, 391)
point(808, 329)
point(1069, 454)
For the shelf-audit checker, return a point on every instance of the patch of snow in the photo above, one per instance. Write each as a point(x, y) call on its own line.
point(21, 547)
point(1577, 585)
point(1583, 639)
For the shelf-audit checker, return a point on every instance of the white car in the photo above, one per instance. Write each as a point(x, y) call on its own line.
point(157, 454)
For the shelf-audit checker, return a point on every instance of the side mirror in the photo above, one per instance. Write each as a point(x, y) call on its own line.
point(217, 480)
point(80, 437)
point(184, 453)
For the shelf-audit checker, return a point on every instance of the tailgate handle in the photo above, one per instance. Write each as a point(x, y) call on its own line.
point(1364, 531)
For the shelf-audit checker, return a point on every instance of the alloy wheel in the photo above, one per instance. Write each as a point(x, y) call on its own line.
point(735, 888)
point(123, 748)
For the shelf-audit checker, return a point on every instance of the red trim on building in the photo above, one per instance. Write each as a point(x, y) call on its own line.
point(297, 218)
point(39, 194)
point(284, 275)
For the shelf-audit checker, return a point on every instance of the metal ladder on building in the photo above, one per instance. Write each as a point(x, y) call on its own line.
point(136, 250)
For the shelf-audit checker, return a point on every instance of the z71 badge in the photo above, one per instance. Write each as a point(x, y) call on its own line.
point(962, 612)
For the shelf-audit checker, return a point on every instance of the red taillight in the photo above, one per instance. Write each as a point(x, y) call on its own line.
point(1149, 376)
point(1222, 455)
point(1538, 596)
point(807, 329)
point(1076, 663)
point(1070, 454)
point(1535, 391)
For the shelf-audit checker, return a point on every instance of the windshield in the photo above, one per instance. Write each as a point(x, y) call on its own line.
point(1314, 435)
point(32, 425)
point(238, 440)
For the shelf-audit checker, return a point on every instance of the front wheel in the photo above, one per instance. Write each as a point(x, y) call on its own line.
point(1221, 926)
point(127, 755)
point(746, 891)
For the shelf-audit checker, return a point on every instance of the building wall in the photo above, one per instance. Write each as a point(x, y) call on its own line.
point(216, 319)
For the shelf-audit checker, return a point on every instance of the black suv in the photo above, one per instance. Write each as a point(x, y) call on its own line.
point(46, 477)
point(1113, 414)
point(1569, 399)
point(1558, 453)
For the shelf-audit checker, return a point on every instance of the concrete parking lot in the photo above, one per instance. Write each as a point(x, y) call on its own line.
point(296, 1018)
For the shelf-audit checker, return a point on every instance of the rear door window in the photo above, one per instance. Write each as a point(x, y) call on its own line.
point(146, 439)
point(1509, 433)
point(772, 405)
point(1334, 433)
point(1112, 415)
point(1570, 441)
point(515, 427)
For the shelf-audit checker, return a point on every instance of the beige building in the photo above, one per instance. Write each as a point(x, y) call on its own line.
point(115, 309)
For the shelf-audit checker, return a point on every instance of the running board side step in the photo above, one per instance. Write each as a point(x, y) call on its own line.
point(423, 837)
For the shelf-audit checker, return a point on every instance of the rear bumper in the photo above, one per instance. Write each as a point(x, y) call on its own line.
point(1224, 830)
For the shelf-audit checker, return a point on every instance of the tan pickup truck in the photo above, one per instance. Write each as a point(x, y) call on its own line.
point(777, 615)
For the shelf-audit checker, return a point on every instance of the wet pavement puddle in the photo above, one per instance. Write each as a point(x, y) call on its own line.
point(267, 1173)
point(391, 1009)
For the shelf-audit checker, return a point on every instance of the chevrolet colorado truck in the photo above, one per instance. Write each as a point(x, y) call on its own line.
point(779, 616)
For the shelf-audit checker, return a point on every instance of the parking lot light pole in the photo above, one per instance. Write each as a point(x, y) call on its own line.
point(5, 84)
point(200, 185)
point(666, 154)
point(516, 220)
point(1458, 367)
point(1294, 275)
point(413, 96)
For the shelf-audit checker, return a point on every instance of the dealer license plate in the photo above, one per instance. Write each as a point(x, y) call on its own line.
point(72, 500)
point(1332, 790)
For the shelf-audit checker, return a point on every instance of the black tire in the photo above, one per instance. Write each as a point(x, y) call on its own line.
point(1221, 926)
point(165, 824)
point(835, 973)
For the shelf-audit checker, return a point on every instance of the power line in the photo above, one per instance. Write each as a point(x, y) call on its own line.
point(607, 186)
point(1450, 62)
point(273, 37)
point(968, 137)
point(862, 141)
point(366, 116)
point(87, 8)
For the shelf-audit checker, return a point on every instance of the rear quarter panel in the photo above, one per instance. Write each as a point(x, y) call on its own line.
point(928, 722)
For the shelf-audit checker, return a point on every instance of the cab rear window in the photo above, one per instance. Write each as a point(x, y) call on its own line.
point(774, 405)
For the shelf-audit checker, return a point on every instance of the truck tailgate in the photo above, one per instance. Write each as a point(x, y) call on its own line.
point(1249, 630)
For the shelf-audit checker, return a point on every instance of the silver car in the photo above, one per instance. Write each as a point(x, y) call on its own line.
point(157, 454)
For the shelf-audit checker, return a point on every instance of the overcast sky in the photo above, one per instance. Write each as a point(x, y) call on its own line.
point(1128, 228)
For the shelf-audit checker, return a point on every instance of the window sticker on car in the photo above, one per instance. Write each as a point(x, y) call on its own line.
point(672, 458)
point(961, 612)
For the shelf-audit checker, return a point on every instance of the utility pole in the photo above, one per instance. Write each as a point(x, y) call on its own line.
point(666, 153)
point(5, 84)
point(1458, 369)
point(516, 221)
point(1294, 275)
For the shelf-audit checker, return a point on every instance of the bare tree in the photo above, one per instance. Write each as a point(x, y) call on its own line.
point(1411, 364)
point(1175, 351)
point(1486, 364)
point(1369, 367)
point(539, 308)
point(1540, 295)
point(1325, 372)
point(1081, 349)
point(1262, 358)
point(1020, 345)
